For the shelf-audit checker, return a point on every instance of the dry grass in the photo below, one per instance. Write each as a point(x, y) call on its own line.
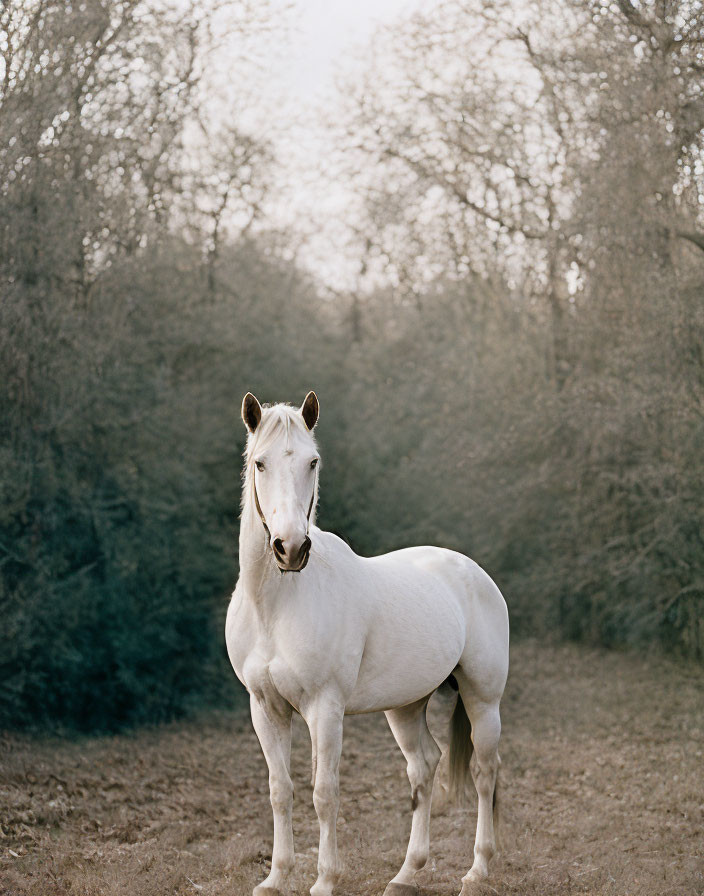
point(603, 793)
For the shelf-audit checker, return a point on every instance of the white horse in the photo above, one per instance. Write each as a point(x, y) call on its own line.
point(316, 628)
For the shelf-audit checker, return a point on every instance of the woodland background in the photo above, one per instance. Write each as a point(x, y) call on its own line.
point(515, 368)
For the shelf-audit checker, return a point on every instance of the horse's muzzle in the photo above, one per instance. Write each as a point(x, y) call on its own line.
point(294, 563)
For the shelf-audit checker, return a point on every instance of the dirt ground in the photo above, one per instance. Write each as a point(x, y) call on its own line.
point(602, 793)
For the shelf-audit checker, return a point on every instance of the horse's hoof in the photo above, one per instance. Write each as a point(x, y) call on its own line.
point(261, 890)
point(393, 889)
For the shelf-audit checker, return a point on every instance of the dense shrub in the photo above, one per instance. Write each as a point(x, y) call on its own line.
point(554, 436)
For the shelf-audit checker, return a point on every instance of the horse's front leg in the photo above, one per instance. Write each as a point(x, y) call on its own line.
point(324, 719)
point(272, 722)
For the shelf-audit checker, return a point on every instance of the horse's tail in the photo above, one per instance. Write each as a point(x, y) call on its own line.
point(496, 805)
point(461, 749)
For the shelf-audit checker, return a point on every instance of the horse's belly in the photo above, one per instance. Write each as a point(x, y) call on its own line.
point(407, 657)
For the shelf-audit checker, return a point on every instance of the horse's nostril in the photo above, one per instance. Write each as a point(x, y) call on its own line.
point(279, 547)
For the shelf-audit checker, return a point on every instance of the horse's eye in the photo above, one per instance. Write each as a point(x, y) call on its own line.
point(314, 463)
point(259, 465)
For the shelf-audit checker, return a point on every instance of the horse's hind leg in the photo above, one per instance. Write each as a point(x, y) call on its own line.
point(486, 729)
point(410, 729)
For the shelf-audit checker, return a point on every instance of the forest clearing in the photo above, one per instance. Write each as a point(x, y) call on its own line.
point(601, 787)
point(476, 231)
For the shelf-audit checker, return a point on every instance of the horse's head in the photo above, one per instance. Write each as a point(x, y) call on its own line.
point(282, 471)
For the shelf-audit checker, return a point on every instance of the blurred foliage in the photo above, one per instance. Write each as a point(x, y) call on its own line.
point(544, 164)
point(554, 435)
point(123, 360)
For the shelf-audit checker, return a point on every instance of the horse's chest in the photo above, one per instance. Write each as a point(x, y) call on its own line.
point(259, 665)
point(269, 678)
point(295, 651)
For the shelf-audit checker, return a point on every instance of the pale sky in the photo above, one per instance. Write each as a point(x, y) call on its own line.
point(316, 41)
point(288, 93)
point(330, 30)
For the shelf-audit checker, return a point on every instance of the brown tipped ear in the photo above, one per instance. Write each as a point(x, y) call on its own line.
point(310, 409)
point(251, 412)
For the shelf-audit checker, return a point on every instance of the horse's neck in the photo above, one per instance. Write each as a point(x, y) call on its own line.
point(257, 567)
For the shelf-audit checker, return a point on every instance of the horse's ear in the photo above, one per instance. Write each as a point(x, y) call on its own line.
point(310, 409)
point(251, 412)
